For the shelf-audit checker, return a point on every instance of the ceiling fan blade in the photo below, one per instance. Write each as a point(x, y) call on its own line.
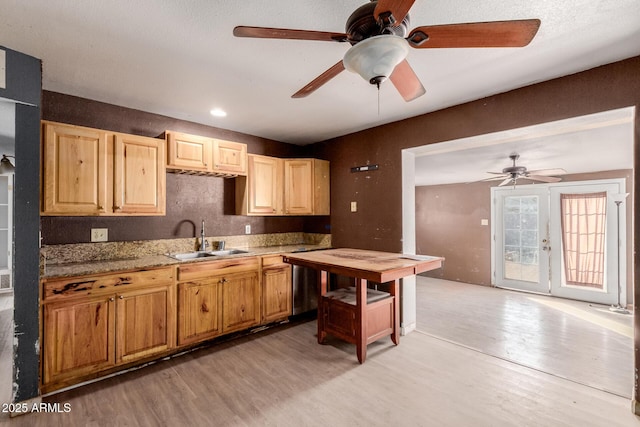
point(320, 80)
point(475, 34)
point(543, 178)
point(392, 12)
point(558, 171)
point(406, 81)
point(288, 34)
point(494, 178)
point(506, 182)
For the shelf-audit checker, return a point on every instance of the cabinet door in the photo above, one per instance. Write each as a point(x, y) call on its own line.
point(229, 157)
point(276, 294)
point(139, 175)
point(76, 171)
point(298, 187)
point(145, 323)
point(265, 185)
point(240, 301)
point(78, 338)
point(190, 152)
point(199, 310)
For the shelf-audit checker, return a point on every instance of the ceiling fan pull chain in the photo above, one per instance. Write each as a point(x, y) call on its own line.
point(378, 84)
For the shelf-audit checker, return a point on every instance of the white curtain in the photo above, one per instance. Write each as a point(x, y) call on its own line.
point(583, 238)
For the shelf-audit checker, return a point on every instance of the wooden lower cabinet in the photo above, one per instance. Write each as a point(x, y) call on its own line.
point(145, 323)
point(78, 338)
point(199, 310)
point(276, 289)
point(96, 324)
point(240, 301)
point(85, 334)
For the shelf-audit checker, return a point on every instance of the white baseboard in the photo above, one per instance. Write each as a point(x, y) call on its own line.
point(405, 329)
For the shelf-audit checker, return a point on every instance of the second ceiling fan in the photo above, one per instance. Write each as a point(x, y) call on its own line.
point(378, 32)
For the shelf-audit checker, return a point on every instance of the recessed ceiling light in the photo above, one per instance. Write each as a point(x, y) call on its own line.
point(218, 112)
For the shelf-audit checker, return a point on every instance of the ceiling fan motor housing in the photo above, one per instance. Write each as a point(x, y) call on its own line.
point(362, 25)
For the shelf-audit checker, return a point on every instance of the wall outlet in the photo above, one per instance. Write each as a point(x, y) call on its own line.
point(99, 234)
point(354, 206)
point(247, 229)
point(484, 222)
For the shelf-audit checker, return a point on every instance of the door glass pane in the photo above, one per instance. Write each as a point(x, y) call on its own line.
point(521, 237)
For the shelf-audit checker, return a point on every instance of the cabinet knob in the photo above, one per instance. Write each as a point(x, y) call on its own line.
point(112, 299)
point(121, 297)
point(117, 208)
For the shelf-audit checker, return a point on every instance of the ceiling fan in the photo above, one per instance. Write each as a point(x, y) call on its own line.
point(511, 174)
point(377, 32)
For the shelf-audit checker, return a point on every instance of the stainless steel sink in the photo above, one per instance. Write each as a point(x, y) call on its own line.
point(191, 255)
point(228, 252)
point(205, 254)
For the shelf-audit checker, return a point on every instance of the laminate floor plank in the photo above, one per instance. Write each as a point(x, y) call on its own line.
point(583, 342)
point(282, 377)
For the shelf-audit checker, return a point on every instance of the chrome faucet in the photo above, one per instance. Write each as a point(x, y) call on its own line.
point(203, 242)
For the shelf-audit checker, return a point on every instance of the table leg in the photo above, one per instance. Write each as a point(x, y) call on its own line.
point(322, 289)
point(361, 319)
point(394, 291)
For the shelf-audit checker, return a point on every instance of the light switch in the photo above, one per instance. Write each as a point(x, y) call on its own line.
point(484, 222)
point(354, 206)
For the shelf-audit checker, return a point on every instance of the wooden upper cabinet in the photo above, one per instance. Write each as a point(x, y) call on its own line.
point(306, 187)
point(229, 157)
point(260, 192)
point(199, 155)
point(189, 151)
point(283, 187)
point(139, 175)
point(76, 170)
point(95, 172)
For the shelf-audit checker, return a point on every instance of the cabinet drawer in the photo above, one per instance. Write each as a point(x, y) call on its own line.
point(55, 289)
point(272, 261)
point(204, 270)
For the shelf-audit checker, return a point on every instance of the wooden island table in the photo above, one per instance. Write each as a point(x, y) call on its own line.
point(360, 315)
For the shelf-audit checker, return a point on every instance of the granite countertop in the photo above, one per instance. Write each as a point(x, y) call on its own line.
point(150, 261)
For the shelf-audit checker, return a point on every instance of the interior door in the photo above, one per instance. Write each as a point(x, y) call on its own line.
point(597, 281)
point(520, 230)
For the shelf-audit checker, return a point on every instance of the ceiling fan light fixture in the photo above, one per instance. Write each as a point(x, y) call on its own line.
point(375, 58)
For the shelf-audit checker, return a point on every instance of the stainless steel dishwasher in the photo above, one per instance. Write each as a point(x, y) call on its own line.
point(305, 287)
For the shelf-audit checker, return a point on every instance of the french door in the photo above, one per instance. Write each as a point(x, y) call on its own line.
point(521, 218)
point(585, 266)
point(561, 239)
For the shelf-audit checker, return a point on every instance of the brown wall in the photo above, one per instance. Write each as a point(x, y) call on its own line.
point(448, 224)
point(378, 223)
point(190, 199)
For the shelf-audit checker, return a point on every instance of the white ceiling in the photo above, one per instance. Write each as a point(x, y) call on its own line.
point(596, 142)
point(179, 58)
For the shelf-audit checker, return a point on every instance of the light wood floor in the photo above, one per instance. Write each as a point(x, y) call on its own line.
point(282, 377)
point(583, 342)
